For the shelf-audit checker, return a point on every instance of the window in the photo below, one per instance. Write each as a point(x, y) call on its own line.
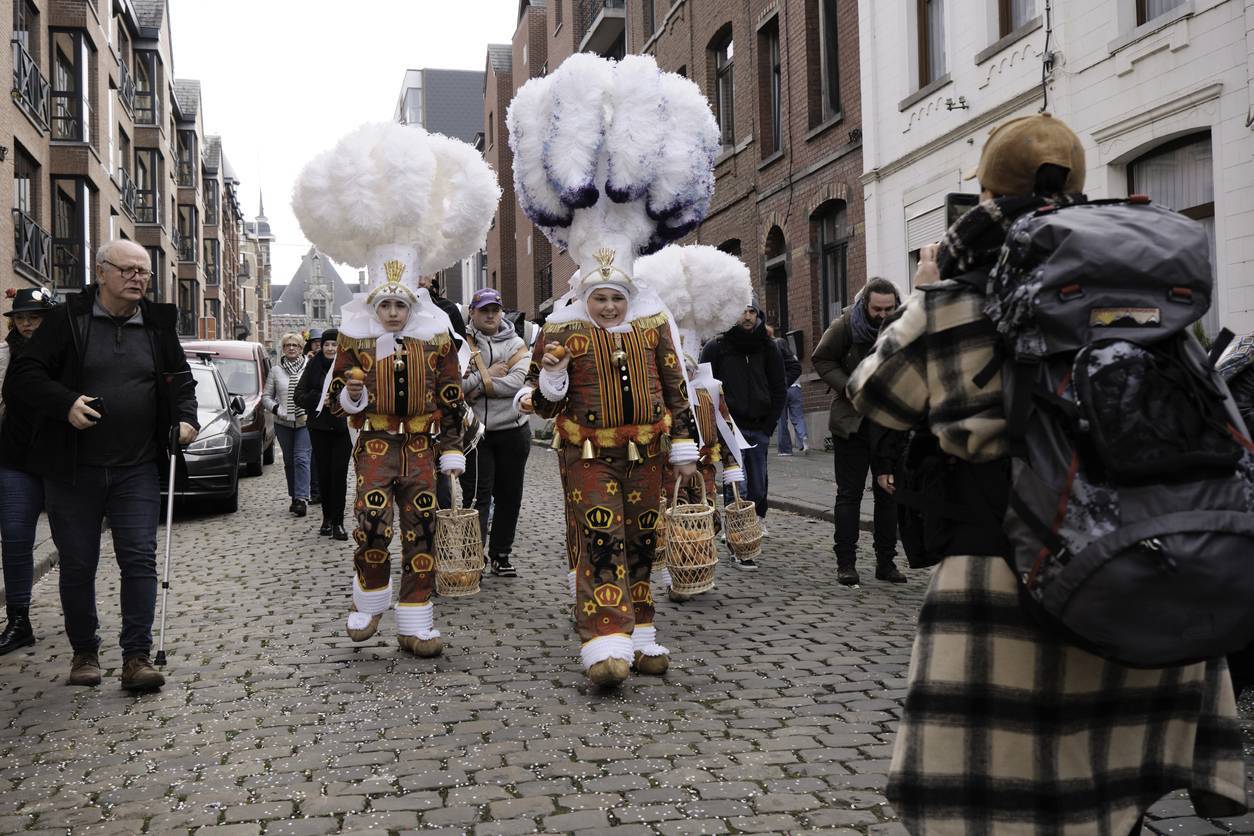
point(722, 49)
point(31, 242)
point(650, 25)
point(212, 267)
point(823, 63)
point(1014, 13)
point(187, 307)
point(71, 110)
point(1147, 10)
point(212, 202)
point(557, 17)
point(155, 290)
point(318, 309)
point(931, 26)
point(25, 183)
point(71, 238)
point(147, 186)
point(147, 100)
point(833, 244)
point(25, 26)
point(1180, 176)
point(731, 246)
point(776, 262)
point(188, 233)
point(491, 129)
point(187, 159)
point(770, 80)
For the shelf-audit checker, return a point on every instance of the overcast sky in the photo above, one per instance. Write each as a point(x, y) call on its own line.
point(282, 80)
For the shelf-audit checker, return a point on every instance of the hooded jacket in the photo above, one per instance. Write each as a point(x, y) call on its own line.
point(752, 371)
point(835, 358)
point(496, 411)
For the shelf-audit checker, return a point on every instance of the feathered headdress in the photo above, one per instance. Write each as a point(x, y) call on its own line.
point(612, 156)
point(398, 201)
point(705, 289)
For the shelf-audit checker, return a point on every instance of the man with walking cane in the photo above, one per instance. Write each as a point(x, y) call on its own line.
point(108, 381)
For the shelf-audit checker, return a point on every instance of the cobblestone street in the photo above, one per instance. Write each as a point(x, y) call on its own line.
point(777, 714)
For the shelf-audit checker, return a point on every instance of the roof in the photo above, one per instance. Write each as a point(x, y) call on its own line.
point(453, 102)
point(187, 97)
point(501, 57)
point(151, 13)
point(523, 4)
point(292, 302)
point(211, 158)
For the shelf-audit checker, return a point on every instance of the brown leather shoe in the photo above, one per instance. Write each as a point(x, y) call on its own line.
point(422, 648)
point(652, 665)
point(138, 674)
point(609, 672)
point(85, 669)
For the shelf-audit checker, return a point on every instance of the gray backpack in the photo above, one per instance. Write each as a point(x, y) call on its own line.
point(1131, 508)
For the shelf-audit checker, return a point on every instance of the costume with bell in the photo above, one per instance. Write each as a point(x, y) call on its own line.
point(430, 200)
point(612, 160)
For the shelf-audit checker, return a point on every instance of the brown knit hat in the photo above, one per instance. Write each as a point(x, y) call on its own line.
point(1017, 149)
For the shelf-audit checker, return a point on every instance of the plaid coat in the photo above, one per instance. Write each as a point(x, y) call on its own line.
point(1006, 729)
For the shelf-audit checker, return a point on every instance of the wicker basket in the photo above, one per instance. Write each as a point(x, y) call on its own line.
point(690, 553)
point(458, 549)
point(744, 531)
point(659, 535)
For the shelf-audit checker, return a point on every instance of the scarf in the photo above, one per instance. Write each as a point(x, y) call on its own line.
point(865, 331)
point(17, 343)
point(293, 369)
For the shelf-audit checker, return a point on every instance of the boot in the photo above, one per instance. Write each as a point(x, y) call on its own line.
point(362, 633)
point(338, 532)
point(609, 672)
point(17, 633)
point(422, 648)
point(85, 669)
point(299, 508)
point(847, 576)
point(652, 665)
point(885, 570)
point(325, 531)
point(138, 674)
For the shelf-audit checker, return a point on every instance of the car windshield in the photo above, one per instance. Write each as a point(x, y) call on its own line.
point(240, 376)
point(208, 397)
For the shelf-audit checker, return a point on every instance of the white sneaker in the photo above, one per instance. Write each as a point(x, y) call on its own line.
point(762, 526)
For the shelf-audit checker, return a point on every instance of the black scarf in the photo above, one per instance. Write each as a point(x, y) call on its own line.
point(865, 332)
point(17, 343)
point(975, 239)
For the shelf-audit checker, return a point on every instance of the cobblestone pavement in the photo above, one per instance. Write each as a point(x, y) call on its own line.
point(777, 715)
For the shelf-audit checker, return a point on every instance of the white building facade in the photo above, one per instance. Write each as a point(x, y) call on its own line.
point(1159, 91)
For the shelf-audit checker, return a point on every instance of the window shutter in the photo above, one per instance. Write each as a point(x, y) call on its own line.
point(927, 228)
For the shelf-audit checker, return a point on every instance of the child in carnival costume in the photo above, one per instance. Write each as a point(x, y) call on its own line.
point(705, 289)
point(612, 160)
point(398, 201)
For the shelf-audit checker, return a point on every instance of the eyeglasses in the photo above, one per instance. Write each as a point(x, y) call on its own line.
point(129, 273)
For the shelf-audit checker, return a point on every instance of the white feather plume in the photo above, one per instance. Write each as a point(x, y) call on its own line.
point(580, 88)
point(705, 288)
point(528, 119)
point(680, 193)
point(386, 184)
point(637, 129)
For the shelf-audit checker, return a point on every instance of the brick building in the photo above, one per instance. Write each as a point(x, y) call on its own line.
point(783, 80)
point(105, 143)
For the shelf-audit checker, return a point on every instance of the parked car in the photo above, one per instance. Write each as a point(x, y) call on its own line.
point(244, 367)
point(213, 458)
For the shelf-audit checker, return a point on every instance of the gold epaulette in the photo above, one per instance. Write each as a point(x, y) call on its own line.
point(355, 343)
point(570, 325)
point(438, 340)
point(647, 322)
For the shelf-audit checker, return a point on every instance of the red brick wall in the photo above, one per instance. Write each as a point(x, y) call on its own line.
point(502, 264)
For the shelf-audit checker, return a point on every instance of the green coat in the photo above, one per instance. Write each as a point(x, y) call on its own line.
point(835, 358)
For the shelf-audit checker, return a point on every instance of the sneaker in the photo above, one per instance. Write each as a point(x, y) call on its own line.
point(762, 527)
point(138, 674)
point(847, 576)
point(502, 567)
point(781, 453)
point(746, 563)
point(803, 449)
point(85, 669)
point(299, 508)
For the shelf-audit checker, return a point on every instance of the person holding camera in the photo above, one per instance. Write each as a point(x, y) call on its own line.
point(108, 385)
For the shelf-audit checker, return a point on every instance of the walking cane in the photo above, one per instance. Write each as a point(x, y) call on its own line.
point(169, 535)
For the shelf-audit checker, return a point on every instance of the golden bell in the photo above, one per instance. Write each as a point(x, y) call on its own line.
point(587, 449)
point(633, 453)
point(556, 443)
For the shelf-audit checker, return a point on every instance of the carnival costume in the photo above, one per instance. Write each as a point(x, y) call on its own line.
point(613, 160)
point(705, 290)
point(397, 201)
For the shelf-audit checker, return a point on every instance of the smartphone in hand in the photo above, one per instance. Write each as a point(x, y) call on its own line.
point(98, 405)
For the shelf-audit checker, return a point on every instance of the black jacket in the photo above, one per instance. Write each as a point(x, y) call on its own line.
point(792, 366)
point(308, 392)
point(1242, 387)
point(450, 308)
point(752, 372)
point(16, 428)
point(48, 378)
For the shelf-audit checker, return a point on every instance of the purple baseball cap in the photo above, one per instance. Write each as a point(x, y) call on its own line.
point(484, 296)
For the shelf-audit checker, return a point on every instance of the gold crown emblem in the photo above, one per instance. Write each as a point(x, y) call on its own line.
point(394, 270)
point(605, 261)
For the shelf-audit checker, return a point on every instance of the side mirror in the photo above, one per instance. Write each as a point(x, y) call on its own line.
point(237, 405)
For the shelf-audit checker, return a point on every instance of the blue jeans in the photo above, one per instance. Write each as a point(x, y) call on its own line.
point(294, 441)
point(755, 471)
point(792, 412)
point(21, 501)
point(131, 498)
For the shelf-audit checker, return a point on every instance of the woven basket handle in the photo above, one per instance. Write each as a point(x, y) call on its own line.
point(454, 492)
point(736, 491)
point(679, 479)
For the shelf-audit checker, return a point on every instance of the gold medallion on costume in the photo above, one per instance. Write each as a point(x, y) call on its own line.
point(577, 344)
point(422, 563)
point(648, 520)
point(376, 447)
point(599, 517)
point(608, 594)
point(376, 556)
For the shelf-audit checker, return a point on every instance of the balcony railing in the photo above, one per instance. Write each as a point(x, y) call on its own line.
point(67, 265)
point(30, 88)
point(146, 203)
point(186, 173)
point(127, 187)
point(147, 107)
point(126, 88)
point(71, 117)
point(599, 24)
point(31, 244)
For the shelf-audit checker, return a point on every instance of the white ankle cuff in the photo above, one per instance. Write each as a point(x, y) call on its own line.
point(570, 581)
point(617, 646)
point(644, 641)
point(371, 602)
point(416, 620)
point(665, 578)
point(359, 620)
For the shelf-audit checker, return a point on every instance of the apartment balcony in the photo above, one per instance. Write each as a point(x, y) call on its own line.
point(600, 26)
point(30, 88)
point(32, 246)
point(187, 248)
point(126, 88)
point(147, 107)
point(186, 177)
point(71, 117)
point(126, 186)
point(146, 203)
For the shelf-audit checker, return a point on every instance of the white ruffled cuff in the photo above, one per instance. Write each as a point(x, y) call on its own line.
point(353, 407)
point(733, 475)
point(684, 451)
point(553, 385)
point(452, 461)
point(570, 581)
point(617, 646)
point(369, 602)
point(664, 578)
point(519, 395)
point(644, 641)
point(416, 620)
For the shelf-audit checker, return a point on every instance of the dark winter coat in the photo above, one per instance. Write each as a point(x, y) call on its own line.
point(752, 372)
point(16, 426)
point(48, 378)
point(835, 358)
point(308, 393)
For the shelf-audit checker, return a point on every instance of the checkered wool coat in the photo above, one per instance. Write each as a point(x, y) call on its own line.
point(1006, 729)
